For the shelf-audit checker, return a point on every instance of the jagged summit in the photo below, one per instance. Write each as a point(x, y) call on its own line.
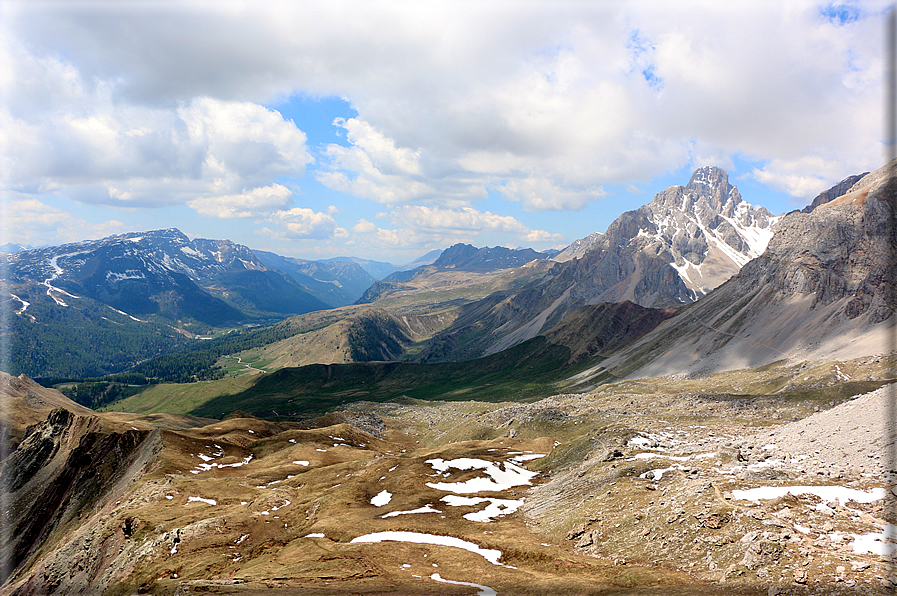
point(704, 230)
point(821, 290)
point(708, 229)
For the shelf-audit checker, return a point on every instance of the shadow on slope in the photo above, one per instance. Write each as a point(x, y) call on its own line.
point(525, 371)
point(528, 370)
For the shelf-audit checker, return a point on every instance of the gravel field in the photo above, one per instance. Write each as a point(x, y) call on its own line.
point(851, 438)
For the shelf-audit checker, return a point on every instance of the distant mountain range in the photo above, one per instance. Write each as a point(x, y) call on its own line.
point(457, 258)
point(95, 307)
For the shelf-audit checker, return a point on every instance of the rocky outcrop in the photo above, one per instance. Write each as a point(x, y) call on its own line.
point(25, 403)
point(63, 469)
point(834, 192)
point(834, 253)
point(579, 248)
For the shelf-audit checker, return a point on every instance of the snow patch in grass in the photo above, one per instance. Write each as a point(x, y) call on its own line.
point(382, 498)
point(496, 507)
point(841, 494)
point(201, 500)
point(425, 509)
point(314, 535)
point(483, 590)
point(658, 473)
point(300, 462)
point(491, 555)
point(245, 461)
point(497, 480)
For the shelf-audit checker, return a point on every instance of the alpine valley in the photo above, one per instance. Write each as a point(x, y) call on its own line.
point(693, 401)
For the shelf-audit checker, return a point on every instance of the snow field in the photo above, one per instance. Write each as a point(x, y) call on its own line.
point(496, 507)
point(841, 494)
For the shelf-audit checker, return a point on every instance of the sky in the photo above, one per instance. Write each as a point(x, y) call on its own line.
point(383, 130)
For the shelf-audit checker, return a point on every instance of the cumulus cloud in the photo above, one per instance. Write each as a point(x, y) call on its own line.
point(542, 194)
point(439, 220)
point(372, 167)
point(801, 178)
point(67, 133)
point(433, 227)
point(306, 224)
point(256, 202)
point(30, 221)
point(548, 102)
point(364, 226)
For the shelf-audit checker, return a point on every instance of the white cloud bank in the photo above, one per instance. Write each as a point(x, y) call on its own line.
point(546, 104)
point(436, 227)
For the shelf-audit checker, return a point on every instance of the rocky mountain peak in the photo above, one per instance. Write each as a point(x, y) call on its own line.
point(708, 177)
point(704, 231)
point(707, 194)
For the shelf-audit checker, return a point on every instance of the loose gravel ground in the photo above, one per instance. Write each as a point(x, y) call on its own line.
point(852, 438)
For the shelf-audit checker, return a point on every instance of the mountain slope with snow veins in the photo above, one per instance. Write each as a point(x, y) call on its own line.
point(705, 230)
point(161, 272)
point(726, 231)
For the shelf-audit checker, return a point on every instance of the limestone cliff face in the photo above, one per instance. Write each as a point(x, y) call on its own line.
point(842, 249)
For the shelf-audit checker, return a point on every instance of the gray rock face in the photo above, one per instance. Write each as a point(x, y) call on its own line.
point(834, 192)
point(837, 251)
point(703, 233)
point(579, 247)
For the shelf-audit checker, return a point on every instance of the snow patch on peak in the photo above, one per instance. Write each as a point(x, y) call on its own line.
point(191, 251)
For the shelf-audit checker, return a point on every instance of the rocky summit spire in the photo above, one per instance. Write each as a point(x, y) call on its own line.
point(713, 183)
point(708, 177)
